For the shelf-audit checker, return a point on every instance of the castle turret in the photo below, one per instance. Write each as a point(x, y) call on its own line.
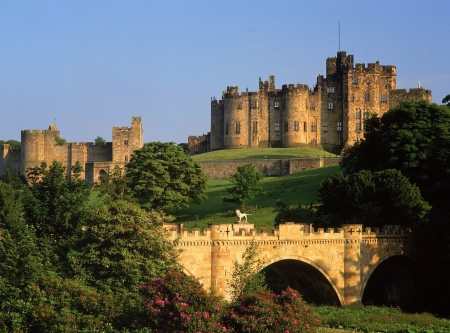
point(126, 140)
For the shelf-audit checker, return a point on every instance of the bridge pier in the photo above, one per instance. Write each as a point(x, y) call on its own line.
point(352, 263)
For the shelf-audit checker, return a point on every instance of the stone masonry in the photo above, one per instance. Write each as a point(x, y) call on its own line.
point(345, 257)
point(40, 146)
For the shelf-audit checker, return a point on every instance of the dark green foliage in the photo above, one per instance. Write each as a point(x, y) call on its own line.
point(100, 141)
point(247, 277)
point(60, 141)
point(285, 213)
point(446, 100)
point(380, 319)
point(185, 147)
point(58, 202)
point(246, 185)
point(413, 137)
point(119, 246)
point(163, 176)
point(373, 199)
point(114, 186)
point(12, 143)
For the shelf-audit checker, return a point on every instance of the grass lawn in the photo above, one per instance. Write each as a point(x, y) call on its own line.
point(262, 153)
point(300, 187)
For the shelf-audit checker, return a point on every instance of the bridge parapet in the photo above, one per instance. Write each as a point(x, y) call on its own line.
point(284, 231)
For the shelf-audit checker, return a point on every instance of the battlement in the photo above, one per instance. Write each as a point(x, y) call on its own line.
point(373, 68)
point(286, 231)
point(88, 144)
point(293, 88)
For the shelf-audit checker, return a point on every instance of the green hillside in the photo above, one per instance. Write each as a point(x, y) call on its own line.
point(300, 187)
point(262, 153)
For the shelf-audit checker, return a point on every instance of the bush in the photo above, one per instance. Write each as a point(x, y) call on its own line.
point(178, 303)
point(268, 312)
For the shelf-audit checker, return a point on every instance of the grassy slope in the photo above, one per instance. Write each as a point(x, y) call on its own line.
point(300, 187)
point(262, 153)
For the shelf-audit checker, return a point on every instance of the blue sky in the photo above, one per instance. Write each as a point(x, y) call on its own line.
point(92, 65)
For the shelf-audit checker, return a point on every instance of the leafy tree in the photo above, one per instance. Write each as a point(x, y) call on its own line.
point(185, 147)
point(373, 199)
point(58, 202)
point(119, 246)
point(13, 143)
point(413, 137)
point(60, 141)
point(446, 100)
point(100, 141)
point(247, 277)
point(163, 176)
point(246, 185)
point(114, 186)
point(285, 213)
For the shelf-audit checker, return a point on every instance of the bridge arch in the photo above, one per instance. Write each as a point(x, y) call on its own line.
point(304, 275)
point(394, 281)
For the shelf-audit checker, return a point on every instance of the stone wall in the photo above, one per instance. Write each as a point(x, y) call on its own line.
point(269, 167)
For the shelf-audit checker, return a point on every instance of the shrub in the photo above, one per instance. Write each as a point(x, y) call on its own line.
point(178, 303)
point(267, 312)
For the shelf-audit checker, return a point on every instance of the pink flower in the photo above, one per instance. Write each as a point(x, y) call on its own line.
point(224, 329)
point(307, 326)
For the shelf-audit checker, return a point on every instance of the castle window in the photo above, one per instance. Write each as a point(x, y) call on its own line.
point(325, 126)
point(339, 126)
point(125, 142)
point(312, 105)
point(286, 126)
point(330, 90)
point(324, 140)
point(305, 127)
point(126, 158)
point(239, 105)
point(366, 97)
point(355, 80)
point(358, 126)
point(358, 114)
point(338, 142)
point(352, 97)
point(277, 104)
point(366, 114)
point(383, 98)
point(313, 127)
point(255, 127)
point(238, 127)
point(296, 126)
point(313, 142)
point(368, 80)
point(386, 81)
point(277, 127)
point(254, 105)
point(226, 129)
point(330, 105)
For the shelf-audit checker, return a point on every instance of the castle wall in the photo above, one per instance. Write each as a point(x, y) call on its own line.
point(270, 167)
point(330, 117)
point(40, 146)
point(9, 159)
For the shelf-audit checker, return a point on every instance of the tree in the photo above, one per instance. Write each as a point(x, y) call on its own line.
point(100, 141)
point(163, 176)
point(114, 186)
point(13, 143)
point(246, 185)
point(247, 277)
point(373, 199)
point(446, 100)
point(57, 202)
point(413, 137)
point(119, 246)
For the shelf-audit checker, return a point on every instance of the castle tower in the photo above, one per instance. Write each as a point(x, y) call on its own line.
point(126, 140)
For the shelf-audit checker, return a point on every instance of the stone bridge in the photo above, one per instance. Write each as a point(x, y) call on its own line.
point(327, 267)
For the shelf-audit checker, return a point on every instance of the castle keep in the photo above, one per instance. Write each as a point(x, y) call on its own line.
point(329, 116)
point(40, 146)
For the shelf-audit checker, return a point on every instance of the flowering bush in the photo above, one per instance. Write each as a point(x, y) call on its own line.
point(178, 303)
point(267, 312)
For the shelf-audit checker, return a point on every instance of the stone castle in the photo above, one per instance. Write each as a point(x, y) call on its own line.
point(41, 146)
point(329, 116)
